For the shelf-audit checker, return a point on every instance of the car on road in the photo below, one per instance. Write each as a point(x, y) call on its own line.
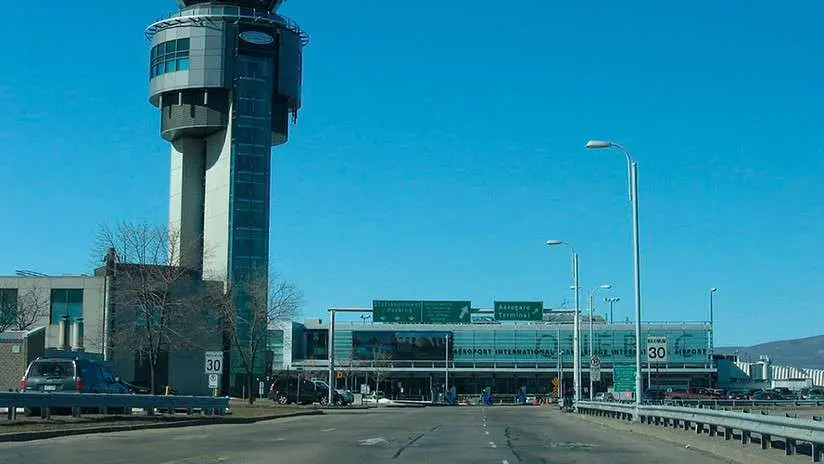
point(69, 375)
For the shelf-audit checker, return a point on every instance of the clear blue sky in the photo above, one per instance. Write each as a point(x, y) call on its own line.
point(440, 146)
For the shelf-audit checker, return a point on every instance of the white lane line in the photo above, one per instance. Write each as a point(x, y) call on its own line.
point(492, 444)
point(504, 462)
point(328, 430)
point(486, 432)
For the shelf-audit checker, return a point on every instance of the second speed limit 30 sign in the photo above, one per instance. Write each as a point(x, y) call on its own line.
point(656, 349)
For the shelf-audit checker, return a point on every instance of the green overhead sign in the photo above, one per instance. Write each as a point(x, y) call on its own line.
point(519, 310)
point(421, 312)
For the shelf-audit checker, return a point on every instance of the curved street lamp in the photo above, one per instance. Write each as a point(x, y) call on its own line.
point(632, 168)
point(591, 353)
point(576, 352)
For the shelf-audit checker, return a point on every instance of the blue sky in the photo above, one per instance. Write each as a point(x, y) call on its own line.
point(440, 146)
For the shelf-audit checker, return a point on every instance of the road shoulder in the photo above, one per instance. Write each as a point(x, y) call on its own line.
point(731, 450)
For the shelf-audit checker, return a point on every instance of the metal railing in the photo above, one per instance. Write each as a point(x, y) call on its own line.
point(105, 403)
point(715, 404)
point(787, 429)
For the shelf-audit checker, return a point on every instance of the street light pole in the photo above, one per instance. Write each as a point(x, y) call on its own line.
point(591, 353)
point(611, 300)
point(636, 252)
point(712, 321)
point(576, 347)
point(711, 335)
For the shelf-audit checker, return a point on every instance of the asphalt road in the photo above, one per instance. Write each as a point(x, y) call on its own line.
point(497, 435)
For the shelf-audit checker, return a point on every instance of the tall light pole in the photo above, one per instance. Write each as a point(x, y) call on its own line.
point(611, 300)
point(711, 335)
point(591, 354)
point(576, 348)
point(712, 321)
point(632, 167)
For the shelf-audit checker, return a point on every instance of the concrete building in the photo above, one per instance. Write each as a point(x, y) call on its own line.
point(413, 359)
point(95, 311)
point(226, 77)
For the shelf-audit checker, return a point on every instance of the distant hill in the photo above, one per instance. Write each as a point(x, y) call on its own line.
point(801, 352)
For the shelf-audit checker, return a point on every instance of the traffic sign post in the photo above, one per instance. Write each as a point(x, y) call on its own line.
point(623, 378)
point(657, 351)
point(519, 310)
point(214, 362)
point(595, 368)
point(421, 312)
point(399, 311)
point(446, 312)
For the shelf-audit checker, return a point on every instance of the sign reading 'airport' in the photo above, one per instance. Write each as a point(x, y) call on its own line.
point(519, 310)
point(421, 312)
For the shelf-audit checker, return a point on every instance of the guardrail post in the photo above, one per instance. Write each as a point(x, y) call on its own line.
point(45, 413)
point(766, 441)
point(75, 411)
point(789, 446)
point(727, 433)
point(687, 425)
point(12, 414)
point(713, 430)
point(815, 452)
point(745, 437)
point(699, 428)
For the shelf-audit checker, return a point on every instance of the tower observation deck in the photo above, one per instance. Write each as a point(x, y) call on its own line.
point(226, 77)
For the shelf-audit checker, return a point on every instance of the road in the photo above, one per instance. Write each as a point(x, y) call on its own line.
point(496, 435)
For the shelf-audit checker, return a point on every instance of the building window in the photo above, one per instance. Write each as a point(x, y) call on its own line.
point(169, 57)
point(66, 302)
point(8, 307)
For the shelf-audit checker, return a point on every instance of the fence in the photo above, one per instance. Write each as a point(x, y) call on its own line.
point(105, 403)
point(790, 430)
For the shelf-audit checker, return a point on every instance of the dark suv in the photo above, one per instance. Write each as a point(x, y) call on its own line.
point(69, 375)
point(292, 389)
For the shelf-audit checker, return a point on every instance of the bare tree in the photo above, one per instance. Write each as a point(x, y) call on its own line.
point(159, 305)
point(381, 364)
point(23, 308)
point(248, 306)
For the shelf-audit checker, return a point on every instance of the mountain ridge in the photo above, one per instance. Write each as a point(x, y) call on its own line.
point(807, 352)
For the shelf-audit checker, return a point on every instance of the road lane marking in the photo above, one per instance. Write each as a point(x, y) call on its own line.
point(486, 432)
point(492, 444)
point(372, 441)
point(328, 430)
point(504, 462)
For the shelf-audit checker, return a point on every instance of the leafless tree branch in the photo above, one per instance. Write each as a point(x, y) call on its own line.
point(248, 307)
point(159, 304)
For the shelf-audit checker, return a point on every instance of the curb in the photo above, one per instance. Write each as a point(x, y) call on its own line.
point(44, 434)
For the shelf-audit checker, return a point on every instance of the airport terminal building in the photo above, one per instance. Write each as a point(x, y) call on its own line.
point(414, 360)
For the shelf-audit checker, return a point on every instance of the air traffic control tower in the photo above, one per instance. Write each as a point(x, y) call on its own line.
point(226, 77)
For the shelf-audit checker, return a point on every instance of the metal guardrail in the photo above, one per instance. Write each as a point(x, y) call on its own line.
point(790, 430)
point(211, 405)
point(737, 403)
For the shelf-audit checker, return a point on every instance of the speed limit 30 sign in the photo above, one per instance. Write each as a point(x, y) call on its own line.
point(214, 362)
point(657, 349)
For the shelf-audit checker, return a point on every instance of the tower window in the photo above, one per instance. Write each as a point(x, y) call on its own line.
point(169, 56)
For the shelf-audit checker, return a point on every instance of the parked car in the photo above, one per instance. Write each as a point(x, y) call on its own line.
point(69, 375)
point(286, 389)
point(340, 397)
